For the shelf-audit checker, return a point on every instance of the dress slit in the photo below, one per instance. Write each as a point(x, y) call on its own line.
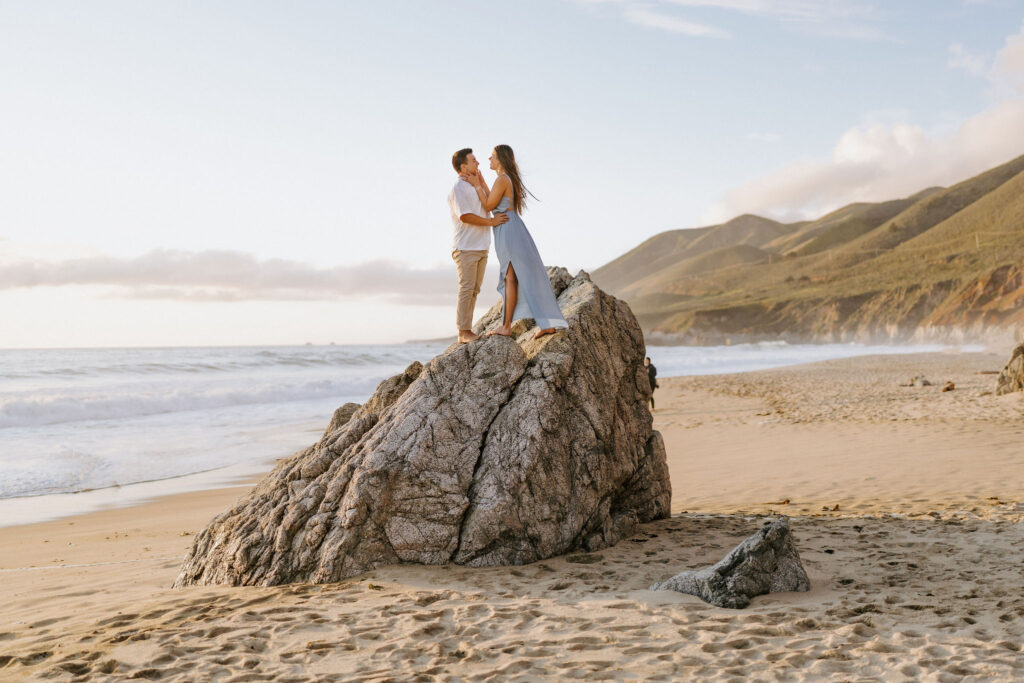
point(504, 293)
point(515, 248)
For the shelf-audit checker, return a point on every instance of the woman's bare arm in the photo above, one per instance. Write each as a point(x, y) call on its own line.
point(490, 199)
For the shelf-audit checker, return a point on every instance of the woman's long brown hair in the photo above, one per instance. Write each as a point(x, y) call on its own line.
point(507, 159)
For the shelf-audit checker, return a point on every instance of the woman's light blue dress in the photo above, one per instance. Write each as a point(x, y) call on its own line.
point(514, 246)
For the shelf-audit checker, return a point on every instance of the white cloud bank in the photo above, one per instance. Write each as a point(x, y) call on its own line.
point(232, 276)
point(875, 162)
point(1008, 68)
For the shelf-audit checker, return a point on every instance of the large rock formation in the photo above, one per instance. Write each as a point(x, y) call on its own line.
point(503, 451)
point(344, 413)
point(1012, 377)
point(767, 562)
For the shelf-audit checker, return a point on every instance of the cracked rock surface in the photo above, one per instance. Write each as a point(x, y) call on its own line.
point(502, 451)
point(767, 562)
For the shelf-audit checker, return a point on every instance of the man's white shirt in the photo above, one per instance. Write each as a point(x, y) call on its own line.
point(463, 199)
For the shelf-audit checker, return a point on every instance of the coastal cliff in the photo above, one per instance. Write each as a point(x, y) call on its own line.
point(943, 264)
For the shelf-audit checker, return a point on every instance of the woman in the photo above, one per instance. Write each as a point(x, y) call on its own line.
point(522, 280)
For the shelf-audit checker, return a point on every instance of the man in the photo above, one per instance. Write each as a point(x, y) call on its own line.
point(652, 373)
point(470, 241)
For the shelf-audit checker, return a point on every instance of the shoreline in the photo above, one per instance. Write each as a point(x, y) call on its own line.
point(21, 510)
point(913, 576)
point(733, 397)
point(24, 510)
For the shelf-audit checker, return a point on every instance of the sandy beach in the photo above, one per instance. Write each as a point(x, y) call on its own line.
point(906, 504)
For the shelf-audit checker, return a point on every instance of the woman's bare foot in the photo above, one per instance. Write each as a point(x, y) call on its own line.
point(501, 331)
point(541, 333)
point(466, 336)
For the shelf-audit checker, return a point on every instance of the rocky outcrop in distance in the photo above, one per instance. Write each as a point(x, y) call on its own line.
point(767, 562)
point(502, 451)
point(1011, 378)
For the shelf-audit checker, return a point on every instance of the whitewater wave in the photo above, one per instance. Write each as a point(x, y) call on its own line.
point(34, 412)
point(63, 471)
point(259, 361)
point(74, 420)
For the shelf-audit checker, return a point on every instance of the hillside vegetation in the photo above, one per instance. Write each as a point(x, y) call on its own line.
point(943, 263)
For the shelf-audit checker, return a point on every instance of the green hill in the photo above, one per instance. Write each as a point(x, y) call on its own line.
point(942, 262)
point(664, 249)
point(745, 229)
point(839, 227)
point(667, 249)
point(665, 279)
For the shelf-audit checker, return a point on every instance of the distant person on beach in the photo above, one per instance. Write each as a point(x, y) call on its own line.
point(470, 241)
point(652, 374)
point(522, 279)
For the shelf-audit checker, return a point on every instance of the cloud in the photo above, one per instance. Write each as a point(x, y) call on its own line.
point(960, 58)
point(651, 19)
point(1008, 67)
point(875, 161)
point(1006, 70)
point(837, 18)
point(794, 10)
point(763, 137)
point(232, 276)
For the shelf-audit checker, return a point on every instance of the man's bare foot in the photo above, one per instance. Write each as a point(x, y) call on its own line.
point(466, 336)
point(541, 333)
point(501, 331)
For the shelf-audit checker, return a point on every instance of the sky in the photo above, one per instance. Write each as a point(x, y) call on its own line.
point(244, 172)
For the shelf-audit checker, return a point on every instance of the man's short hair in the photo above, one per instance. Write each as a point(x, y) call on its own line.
point(459, 158)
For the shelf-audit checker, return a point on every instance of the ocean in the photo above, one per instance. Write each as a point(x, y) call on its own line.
point(82, 429)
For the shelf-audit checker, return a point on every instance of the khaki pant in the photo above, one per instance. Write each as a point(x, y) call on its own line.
point(471, 266)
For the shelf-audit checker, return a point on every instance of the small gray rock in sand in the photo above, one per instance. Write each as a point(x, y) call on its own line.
point(767, 562)
point(1011, 379)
